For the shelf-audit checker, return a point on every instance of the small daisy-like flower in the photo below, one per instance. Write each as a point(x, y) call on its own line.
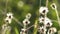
point(41, 20)
point(23, 31)
point(28, 16)
point(42, 29)
point(48, 22)
point(4, 26)
point(43, 10)
point(10, 15)
point(53, 5)
point(7, 20)
point(20, 4)
point(26, 22)
point(52, 30)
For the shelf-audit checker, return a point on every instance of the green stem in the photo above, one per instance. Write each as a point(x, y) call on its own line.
point(16, 30)
point(57, 16)
point(35, 27)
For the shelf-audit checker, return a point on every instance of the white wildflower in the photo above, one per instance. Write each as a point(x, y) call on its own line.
point(28, 16)
point(53, 5)
point(42, 30)
point(47, 22)
point(7, 20)
point(52, 30)
point(43, 10)
point(26, 22)
point(4, 26)
point(41, 19)
point(10, 15)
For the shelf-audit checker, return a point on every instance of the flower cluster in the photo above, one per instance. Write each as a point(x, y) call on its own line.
point(9, 18)
point(26, 20)
point(47, 23)
point(42, 30)
point(7, 21)
point(5, 28)
point(25, 23)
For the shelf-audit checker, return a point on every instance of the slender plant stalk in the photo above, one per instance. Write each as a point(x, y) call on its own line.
point(16, 30)
point(30, 27)
point(25, 28)
point(40, 2)
point(57, 16)
point(18, 21)
point(35, 27)
point(46, 3)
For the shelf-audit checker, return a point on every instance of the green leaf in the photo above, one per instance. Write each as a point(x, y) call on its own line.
point(16, 30)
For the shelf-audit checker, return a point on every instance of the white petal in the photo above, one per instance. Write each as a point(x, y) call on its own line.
point(8, 14)
point(23, 29)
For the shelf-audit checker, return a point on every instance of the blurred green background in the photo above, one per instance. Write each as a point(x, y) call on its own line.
point(29, 6)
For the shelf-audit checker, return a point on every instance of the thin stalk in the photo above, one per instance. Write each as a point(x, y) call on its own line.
point(40, 3)
point(46, 3)
point(57, 16)
point(24, 28)
point(35, 27)
point(16, 30)
point(18, 21)
point(30, 27)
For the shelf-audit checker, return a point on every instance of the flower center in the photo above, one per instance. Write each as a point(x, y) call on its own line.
point(53, 6)
point(42, 30)
point(6, 20)
point(50, 31)
point(26, 22)
point(48, 23)
point(43, 11)
point(9, 16)
point(42, 19)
